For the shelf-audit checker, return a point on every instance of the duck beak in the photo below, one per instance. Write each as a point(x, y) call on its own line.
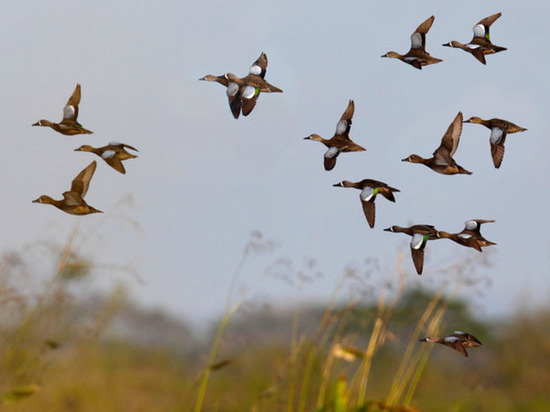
point(387, 229)
point(405, 159)
point(336, 185)
point(36, 124)
point(36, 200)
point(307, 138)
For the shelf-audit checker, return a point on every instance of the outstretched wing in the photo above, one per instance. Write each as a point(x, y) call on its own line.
point(81, 182)
point(259, 67)
point(418, 38)
point(449, 143)
point(344, 125)
point(70, 111)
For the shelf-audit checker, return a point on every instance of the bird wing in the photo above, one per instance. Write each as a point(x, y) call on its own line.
point(369, 209)
point(70, 111)
point(259, 67)
point(123, 145)
point(449, 141)
point(81, 182)
point(234, 96)
point(481, 29)
point(330, 157)
point(344, 125)
point(418, 38)
point(418, 259)
point(250, 95)
point(459, 348)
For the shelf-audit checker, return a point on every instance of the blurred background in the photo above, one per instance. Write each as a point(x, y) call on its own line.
point(219, 214)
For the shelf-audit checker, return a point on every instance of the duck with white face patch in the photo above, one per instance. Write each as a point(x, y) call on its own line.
point(341, 141)
point(420, 236)
point(369, 190)
point(417, 56)
point(480, 45)
point(458, 341)
point(242, 93)
point(499, 130)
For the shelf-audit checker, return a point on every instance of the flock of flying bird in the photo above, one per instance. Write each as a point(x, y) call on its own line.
point(114, 153)
point(243, 93)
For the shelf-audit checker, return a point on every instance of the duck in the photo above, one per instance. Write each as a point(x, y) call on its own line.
point(420, 236)
point(473, 226)
point(341, 141)
point(69, 125)
point(499, 130)
point(369, 189)
point(243, 93)
point(113, 154)
point(467, 240)
point(458, 341)
point(73, 200)
point(417, 56)
point(442, 160)
point(481, 43)
point(471, 235)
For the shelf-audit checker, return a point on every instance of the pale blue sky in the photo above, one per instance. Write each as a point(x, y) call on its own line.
point(204, 181)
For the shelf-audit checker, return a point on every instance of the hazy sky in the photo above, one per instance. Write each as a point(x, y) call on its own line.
point(204, 181)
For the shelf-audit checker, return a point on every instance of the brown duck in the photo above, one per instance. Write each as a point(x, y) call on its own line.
point(113, 154)
point(340, 142)
point(420, 236)
point(73, 200)
point(458, 341)
point(442, 160)
point(481, 43)
point(69, 125)
point(499, 130)
point(243, 93)
point(417, 56)
point(369, 189)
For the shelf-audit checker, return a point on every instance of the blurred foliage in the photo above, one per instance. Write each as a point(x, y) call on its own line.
point(68, 348)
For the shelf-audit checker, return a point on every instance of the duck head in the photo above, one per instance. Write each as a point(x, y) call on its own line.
point(391, 54)
point(413, 159)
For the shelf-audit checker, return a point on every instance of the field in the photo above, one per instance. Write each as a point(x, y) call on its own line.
point(68, 350)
